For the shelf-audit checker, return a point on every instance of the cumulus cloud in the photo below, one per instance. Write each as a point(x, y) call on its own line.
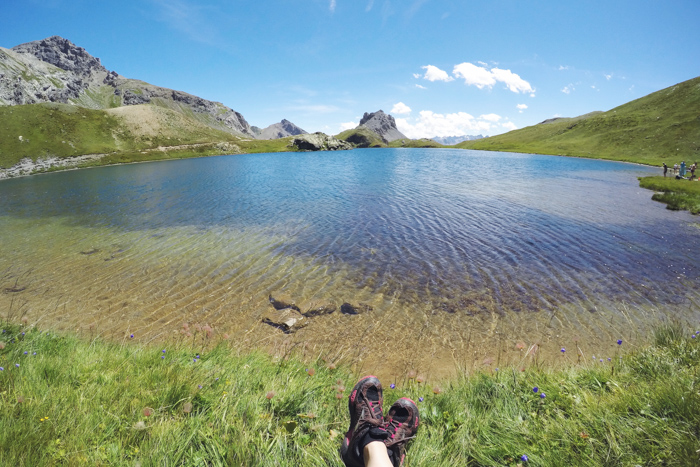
point(568, 89)
point(430, 124)
point(416, 75)
point(563, 67)
point(521, 106)
point(400, 109)
point(420, 87)
point(509, 126)
point(481, 77)
point(434, 73)
point(348, 126)
point(332, 6)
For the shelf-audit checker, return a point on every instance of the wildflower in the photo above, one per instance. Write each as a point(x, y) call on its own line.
point(311, 371)
point(420, 399)
point(609, 359)
point(619, 342)
point(496, 369)
point(420, 379)
point(132, 336)
point(162, 357)
point(338, 395)
point(535, 389)
point(147, 411)
point(524, 458)
point(411, 374)
point(199, 386)
point(25, 352)
point(693, 336)
point(331, 366)
point(34, 353)
point(270, 395)
point(20, 399)
point(17, 365)
point(543, 395)
point(2, 345)
point(563, 350)
point(601, 360)
point(163, 350)
point(392, 386)
point(140, 425)
point(437, 390)
point(2, 369)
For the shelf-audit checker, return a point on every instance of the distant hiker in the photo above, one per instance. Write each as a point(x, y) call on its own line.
point(682, 168)
point(692, 170)
point(675, 168)
point(665, 169)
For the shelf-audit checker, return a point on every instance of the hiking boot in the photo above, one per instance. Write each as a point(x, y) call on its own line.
point(366, 421)
point(402, 424)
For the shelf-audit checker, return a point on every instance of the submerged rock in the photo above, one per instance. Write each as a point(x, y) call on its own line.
point(281, 304)
point(349, 309)
point(320, 311)
point(288, 320)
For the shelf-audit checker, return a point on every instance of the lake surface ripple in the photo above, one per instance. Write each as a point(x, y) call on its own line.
point(466, 258)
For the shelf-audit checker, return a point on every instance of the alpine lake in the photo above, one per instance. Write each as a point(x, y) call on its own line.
point(453, 259)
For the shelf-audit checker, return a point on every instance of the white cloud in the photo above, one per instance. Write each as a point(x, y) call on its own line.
point(568, 89)
point(562, 67)
point(430, 124)
point(369, 5)
point(332, 6)
point(608, 77)
point(416, 75)
point(490, 117)
point(521, 106)
point(481, 77)
point(509, 126)
point(420, 87)
point(400, 109)
point(434, 73)
point(348, 126)
point(514, 82)
point(474, 75)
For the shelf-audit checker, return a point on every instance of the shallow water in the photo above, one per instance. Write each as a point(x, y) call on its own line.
point(464, 256)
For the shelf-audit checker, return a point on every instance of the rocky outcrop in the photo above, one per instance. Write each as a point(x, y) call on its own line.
point(63, 54)
point(279, 130)
point(319, 142)
point(383, 125)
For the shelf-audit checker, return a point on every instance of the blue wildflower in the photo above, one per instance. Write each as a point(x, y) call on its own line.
point(17, 365)
point(563, 350)
point(2, 369)
point(392, 386)
point(132, 336)
point(619, 342)
point(524, 458)
point(535, 389)
point(543, 395)
point(420, 399)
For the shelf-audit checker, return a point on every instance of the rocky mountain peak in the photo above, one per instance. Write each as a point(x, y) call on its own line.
point(64, 54)
point(280, 130)
point(383, 125)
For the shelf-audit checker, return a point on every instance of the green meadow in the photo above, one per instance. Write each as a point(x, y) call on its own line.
point(69, 399)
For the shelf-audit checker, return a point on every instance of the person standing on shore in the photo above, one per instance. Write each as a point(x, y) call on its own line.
point(665, 169)
point(682, 168)
point(675, 168)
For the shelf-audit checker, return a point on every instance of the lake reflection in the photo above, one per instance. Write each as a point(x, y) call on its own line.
point(461, 254)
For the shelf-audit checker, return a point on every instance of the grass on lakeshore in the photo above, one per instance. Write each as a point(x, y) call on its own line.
point(83, 401)
point(679, 195)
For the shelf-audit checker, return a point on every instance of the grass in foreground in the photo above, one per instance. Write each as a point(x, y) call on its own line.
point(679, 195)
point(75, 401)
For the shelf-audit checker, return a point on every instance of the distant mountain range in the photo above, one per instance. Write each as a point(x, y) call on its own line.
point(452, 140)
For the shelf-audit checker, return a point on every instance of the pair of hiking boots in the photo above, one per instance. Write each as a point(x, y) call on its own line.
point(367, 424)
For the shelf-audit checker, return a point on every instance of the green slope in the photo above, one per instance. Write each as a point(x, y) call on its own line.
point(126, 134)
point(661, 127)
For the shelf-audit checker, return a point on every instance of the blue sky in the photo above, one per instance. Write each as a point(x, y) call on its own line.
point(441, 67)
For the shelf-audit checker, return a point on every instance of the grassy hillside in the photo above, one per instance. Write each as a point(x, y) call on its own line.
point(415, 143)
point(126, 134)
point(661, 127)
point(362, 138)
point(68, 400)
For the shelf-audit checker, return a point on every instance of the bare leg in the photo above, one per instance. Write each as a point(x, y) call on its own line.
point(376, 455)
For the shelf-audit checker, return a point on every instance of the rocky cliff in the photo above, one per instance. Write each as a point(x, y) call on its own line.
point(56, 70)
point(383, 125)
